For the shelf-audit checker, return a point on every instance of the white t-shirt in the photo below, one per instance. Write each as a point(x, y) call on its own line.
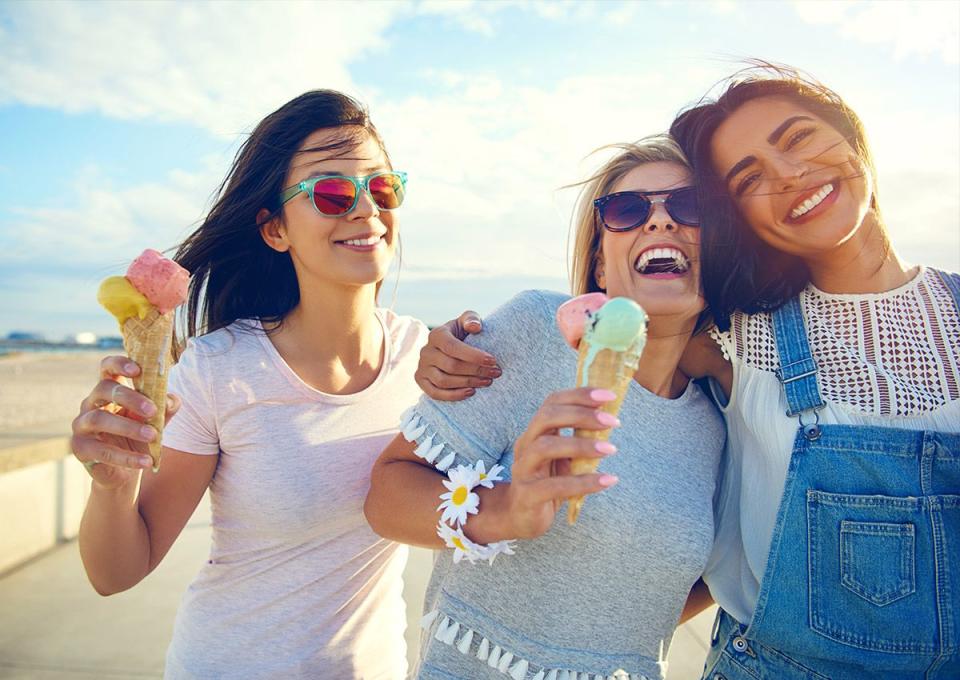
point(884, 359)
point(297, 585)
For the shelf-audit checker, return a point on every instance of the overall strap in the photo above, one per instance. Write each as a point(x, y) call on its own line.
point(798, 370)
point(952, 282)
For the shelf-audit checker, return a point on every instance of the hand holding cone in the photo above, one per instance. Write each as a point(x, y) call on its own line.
point(609, 336)
point(143, 302)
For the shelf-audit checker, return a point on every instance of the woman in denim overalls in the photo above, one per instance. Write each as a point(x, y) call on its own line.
point(838, 539)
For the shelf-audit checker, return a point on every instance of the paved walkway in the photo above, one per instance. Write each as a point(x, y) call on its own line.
point(53, 626)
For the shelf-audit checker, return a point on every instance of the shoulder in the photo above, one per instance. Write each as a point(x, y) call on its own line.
point(220, 345)
point(529, 310)
point(406, 333)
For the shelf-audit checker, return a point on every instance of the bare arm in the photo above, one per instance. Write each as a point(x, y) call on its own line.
point(703, 358)
point(698, 600)
point(124, 534)
point(404, 490)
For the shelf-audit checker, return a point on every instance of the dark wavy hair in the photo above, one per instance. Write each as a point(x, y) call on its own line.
point(740, 271)
point(234, 274)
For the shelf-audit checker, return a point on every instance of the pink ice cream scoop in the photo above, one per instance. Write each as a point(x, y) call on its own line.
point(162, 281)
point(572, 315)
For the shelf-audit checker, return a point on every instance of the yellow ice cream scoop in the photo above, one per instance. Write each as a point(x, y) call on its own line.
point(122, 300)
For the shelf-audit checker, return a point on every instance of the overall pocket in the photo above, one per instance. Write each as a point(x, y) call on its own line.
point(878, 560)
point(871, 576)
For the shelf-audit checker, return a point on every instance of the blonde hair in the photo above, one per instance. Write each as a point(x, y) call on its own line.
point(586, 227)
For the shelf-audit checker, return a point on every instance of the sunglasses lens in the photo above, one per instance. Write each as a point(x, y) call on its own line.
point(387, 190)
point(334, 196)
point(625, 211)
point(682, 206)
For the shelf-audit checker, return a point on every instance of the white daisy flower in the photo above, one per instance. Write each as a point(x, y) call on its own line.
point(486, 479)
point(499, 548)
point(460, 500)
point(462, 546)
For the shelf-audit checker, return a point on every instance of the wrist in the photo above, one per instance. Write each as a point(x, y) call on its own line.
point(121, 494)
point(493, 524)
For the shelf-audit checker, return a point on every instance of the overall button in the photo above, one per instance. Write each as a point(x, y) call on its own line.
point(718, 676)
point(740, 644)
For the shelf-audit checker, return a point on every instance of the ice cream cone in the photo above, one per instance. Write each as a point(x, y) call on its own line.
point(147, 342)
point(606, 369)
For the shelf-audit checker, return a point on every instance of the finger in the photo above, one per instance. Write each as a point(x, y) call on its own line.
point(470, 322)
point(89, 449)
point(560, 488)
point(441, 338)
point(109, 391)
point(553, 417)
point(582, 396)
point(440, 394)
point(554, 447)
point(115, 365)
point(100, 422)
point(447, 380)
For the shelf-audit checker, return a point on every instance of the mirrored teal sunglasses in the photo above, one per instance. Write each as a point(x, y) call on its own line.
point(337, 195)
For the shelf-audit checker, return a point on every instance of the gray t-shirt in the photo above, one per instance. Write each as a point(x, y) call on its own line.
point(606, 593)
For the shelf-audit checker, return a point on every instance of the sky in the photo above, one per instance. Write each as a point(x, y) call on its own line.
point(119, 121)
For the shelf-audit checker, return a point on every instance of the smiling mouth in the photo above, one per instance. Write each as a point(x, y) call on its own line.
point(662, 261)
point(360, 242)
point(813, 201)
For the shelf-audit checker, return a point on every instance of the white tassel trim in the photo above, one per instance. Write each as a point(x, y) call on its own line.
point(519, 670)
point(494, 657)
point(484, 650)
point(429, 618)
point(448, 630)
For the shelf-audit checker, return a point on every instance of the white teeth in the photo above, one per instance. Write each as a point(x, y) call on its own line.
point(369, 241)
point(662, 254)
point(812, 202)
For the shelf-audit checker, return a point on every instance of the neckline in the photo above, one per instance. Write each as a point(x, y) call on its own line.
point(679, 400)
point(893, 292)
point(319, 395)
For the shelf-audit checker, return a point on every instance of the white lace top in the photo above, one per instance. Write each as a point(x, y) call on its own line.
point(884, 359)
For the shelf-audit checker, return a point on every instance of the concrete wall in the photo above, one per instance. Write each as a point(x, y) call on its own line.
point(41, 505)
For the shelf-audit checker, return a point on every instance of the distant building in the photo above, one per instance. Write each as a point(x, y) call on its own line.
point(25, 336)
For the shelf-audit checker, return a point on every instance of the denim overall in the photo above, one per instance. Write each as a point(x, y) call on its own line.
point(863, 575)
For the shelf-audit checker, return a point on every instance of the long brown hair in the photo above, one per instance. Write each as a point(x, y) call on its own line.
point(740, 271)
point(234, 274)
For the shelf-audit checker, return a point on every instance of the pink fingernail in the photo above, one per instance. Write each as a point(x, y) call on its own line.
point(130, 368)
point(606, 448)
point(145, 462)
point(607, 419)
point(148, 433)
point(602, 395)
point(608, 480)
point(148, 409)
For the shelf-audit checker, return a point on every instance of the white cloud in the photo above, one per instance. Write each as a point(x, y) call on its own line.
point(923, 28)
point(219, 65)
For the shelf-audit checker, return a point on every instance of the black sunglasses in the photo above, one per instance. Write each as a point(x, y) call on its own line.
point(626, 210)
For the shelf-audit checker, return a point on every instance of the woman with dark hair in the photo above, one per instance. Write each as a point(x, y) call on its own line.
point(293, 380)
point(837, 550)
point(838, 365)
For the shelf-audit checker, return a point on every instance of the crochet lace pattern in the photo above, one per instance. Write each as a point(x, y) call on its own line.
point(885, 354)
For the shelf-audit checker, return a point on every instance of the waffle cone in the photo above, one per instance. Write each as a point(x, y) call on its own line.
point(147, 341)
point(609, 370)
